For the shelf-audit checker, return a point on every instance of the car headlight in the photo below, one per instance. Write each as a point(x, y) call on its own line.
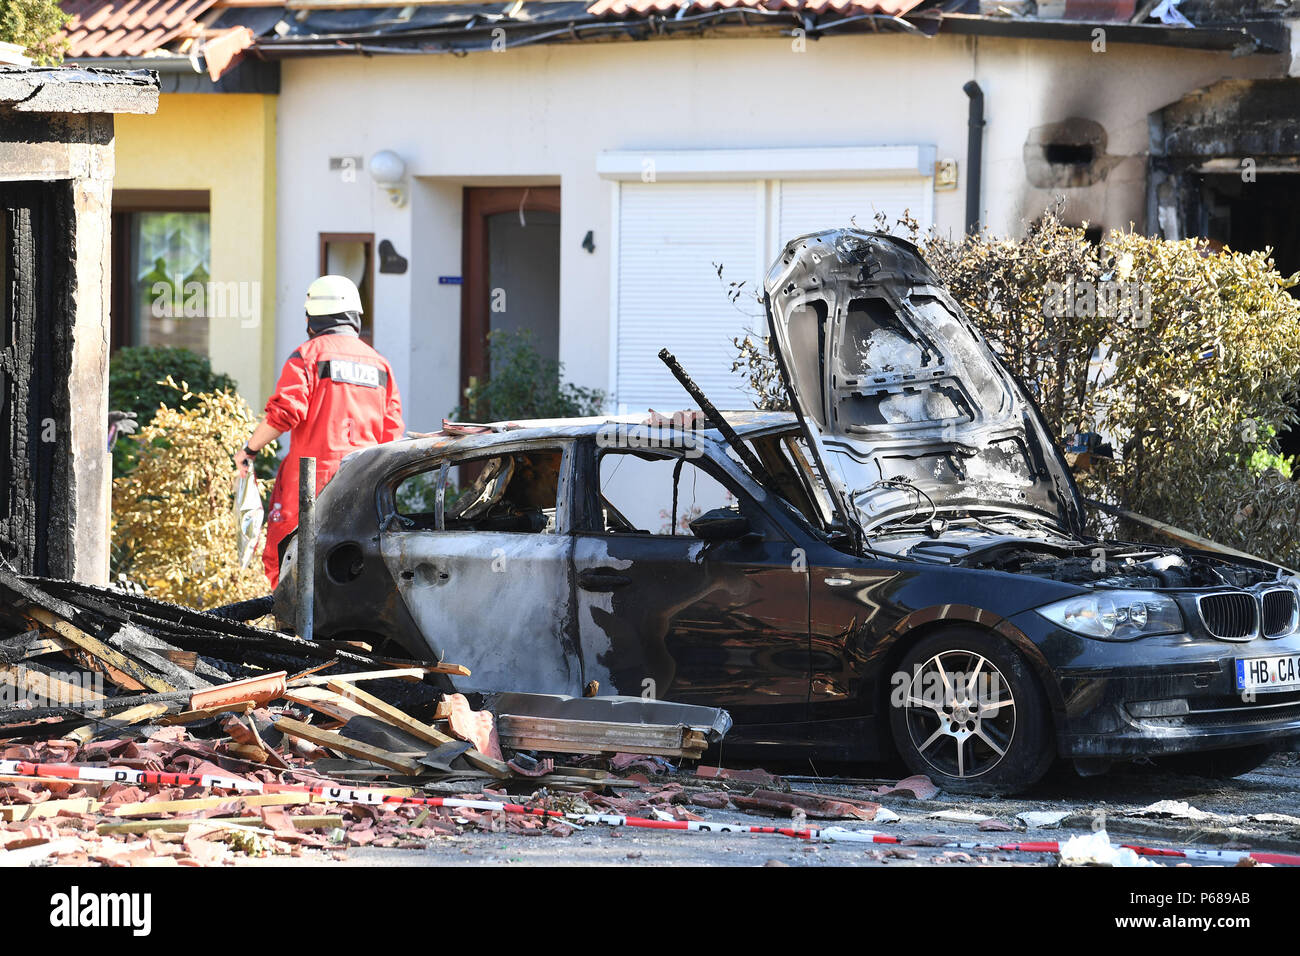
point(1116, 615)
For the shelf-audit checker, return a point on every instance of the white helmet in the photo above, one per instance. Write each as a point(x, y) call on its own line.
point(330, 295)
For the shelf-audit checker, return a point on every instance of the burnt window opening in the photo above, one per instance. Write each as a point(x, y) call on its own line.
point(650, 494)
point(1069, 154)
point(518, 491)
point(789, 463)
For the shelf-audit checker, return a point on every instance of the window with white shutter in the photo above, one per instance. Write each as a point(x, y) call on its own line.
point(672, 234)
point(814, 205)
point(669, 294)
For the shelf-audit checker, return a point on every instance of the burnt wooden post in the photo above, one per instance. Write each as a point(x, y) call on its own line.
point(56, 164)
point(306, 546)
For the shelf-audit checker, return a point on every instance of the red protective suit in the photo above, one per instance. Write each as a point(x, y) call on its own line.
point(335, 394)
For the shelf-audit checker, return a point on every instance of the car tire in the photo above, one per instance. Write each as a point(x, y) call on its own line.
point(985, 729)
point(1219, 764)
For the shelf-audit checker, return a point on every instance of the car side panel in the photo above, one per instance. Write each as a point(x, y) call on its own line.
point(722, 625)
point(495, 602)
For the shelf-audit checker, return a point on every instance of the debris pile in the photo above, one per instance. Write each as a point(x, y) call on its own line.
point(134, 731)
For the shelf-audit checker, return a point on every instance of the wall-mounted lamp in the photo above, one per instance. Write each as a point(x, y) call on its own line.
point(388, 171)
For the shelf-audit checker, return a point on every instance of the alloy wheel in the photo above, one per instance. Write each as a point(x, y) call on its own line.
point(961, 713)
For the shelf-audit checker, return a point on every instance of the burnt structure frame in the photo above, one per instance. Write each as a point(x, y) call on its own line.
point(38, 315)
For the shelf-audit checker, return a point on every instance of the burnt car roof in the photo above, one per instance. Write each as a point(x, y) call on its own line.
point(743, 422)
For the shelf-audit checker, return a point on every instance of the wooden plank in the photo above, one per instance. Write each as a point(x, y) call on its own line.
point(327, 702)
point(305, 822)
point(190, 716)
point(46, 686)
point(153, 653)
point(353, 748)
point(17, 812)
point(148, 808)
point(31, 644)
point(125, 718)
point(99, 649)
point(1173, 532)
point(402, 673)
point(91, 663)
point(594, 736)
point(311, 670)
point(415, 728)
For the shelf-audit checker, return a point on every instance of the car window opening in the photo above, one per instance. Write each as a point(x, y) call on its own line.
point(657, 495)
point(512, 492)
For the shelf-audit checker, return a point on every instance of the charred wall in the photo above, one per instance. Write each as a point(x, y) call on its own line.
point(1210, 148)
point(36, 414)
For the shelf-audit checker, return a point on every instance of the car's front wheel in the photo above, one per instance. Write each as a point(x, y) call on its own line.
point(966, 711)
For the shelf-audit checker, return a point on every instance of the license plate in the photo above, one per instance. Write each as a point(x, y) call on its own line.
point(1269, 673)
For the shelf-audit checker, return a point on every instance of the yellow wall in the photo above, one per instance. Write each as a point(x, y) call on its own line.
point(224, 143)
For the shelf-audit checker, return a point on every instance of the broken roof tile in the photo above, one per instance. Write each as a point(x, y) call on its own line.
point(128, 27)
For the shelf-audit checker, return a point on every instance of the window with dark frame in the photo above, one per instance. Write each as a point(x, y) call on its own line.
point(352, 254)
point(162, 268)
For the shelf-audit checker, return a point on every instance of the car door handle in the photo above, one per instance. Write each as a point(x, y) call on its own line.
point(602, 579)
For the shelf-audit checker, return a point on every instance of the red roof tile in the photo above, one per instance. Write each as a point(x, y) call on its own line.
point(631, 8)
point(128, 27)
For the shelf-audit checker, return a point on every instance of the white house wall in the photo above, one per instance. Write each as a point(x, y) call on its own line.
point(543, 114)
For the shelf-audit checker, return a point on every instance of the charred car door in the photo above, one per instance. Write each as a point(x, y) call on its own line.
point(476, 544)
point(686, 588)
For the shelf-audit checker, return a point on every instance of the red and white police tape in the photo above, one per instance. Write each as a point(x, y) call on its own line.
point(338, 793)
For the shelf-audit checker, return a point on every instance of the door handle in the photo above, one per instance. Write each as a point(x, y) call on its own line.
point(602, 579)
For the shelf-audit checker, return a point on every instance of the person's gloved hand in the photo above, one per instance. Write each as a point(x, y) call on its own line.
point(120, 423)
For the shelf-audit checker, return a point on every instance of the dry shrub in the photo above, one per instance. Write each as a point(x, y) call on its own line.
point(1192, 382)
point(174, 529)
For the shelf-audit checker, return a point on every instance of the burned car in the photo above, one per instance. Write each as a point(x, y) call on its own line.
point(900, 566)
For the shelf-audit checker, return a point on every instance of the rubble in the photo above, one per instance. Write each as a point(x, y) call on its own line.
point(135, 732)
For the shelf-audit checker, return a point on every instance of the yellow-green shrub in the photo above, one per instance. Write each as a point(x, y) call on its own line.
point(174, 529)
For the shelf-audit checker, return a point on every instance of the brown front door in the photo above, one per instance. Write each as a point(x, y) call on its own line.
point(511, 272)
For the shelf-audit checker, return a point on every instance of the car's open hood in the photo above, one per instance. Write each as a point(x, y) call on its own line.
point(908, 410)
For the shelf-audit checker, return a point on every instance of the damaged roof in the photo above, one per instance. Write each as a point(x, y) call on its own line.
point(129, 27)
point(176, 37)
point(893, 8)
point(220, 32)
point(308, 29)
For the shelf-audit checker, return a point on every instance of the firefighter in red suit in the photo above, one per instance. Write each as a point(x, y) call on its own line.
point(335, 394)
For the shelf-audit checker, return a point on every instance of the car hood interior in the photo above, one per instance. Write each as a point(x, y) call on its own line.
point(912, 418)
